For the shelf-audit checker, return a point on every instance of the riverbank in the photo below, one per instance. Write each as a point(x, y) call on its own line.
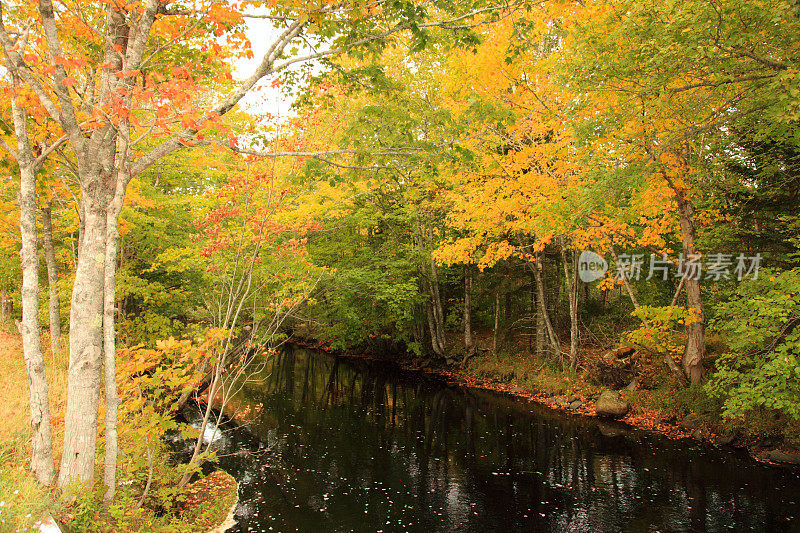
point(675, 412)
point(205, 505)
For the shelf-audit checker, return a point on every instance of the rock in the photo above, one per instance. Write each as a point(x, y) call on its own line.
point(516, 389)
point(777, 456)
point(692, 421)
point(611, 405)
point(697, 434)
point(573, 399)
point(632, 385)
point(727, 439)
point(576, 404)
point(562, 402)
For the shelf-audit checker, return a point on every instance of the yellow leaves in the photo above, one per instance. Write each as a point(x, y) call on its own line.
point(497, 251)
point(458, 251)
point(607, 283)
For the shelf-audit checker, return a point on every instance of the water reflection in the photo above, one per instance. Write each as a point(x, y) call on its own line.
point(343, 445)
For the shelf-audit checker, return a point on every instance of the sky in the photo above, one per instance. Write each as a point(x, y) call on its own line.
point(264, 98)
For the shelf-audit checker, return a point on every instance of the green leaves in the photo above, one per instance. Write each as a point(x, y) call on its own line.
point(762, 325)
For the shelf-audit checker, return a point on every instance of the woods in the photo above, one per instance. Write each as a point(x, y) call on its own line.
point(429, 197)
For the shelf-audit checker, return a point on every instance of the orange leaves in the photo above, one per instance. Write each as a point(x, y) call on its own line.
point(181, 72)
point(187, 121)
point(70, 62)
point(122, 74)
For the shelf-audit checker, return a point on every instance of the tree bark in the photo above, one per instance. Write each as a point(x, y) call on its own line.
point(693, 356)
point(550, 339)
point(469, 346)
point(496, 321)
point(52, 278)
point(4, 314)
point(109, 341)
point(85, 354)
point(435, 311)
point(570, 260)
point(41, 440)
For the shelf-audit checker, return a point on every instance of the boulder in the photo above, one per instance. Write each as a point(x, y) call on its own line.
point(692, 421)
point(610, 404)
point(726, 439)
point(777, 456)
point(576, 404)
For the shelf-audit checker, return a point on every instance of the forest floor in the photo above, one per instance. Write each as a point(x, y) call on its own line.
point(23, 502)
point(666, 408)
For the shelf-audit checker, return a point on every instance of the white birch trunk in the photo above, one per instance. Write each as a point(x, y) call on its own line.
point(41, 440)
point(52, 279)
point(86, 343)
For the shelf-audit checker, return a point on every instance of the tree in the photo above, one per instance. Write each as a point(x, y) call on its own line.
point(666, 79)
point(110, 76)
point(28, 164)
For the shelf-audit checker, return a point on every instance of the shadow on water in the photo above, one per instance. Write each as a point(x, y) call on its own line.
point(348, 445)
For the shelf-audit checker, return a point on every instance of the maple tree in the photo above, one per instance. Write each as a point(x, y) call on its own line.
point(116, 77)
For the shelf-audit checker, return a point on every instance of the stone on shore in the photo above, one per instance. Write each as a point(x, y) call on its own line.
point(611, 405)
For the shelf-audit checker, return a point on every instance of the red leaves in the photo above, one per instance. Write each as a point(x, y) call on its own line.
point(73, 62)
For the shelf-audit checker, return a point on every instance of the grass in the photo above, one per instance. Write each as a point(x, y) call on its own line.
point(530, 372)
point(23, 501)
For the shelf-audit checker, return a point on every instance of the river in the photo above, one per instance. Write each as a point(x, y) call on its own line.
point(340, 444)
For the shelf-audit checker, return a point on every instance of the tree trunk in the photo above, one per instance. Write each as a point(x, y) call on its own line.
point(469, 346)
point(4, 314)
point(496, 321)
point(550, 339)
point(572, 296)
point(109, 342)
point(52, 278)
point(435, 311)
point(85, 351)
point(41, 440)
point(695, 352)
point(539, 329)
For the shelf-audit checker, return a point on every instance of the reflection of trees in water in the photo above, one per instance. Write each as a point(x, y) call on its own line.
point(481, 459)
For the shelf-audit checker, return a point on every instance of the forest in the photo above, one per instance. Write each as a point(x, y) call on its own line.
point(592, 205)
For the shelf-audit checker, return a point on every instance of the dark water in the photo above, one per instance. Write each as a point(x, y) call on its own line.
point(343, 445)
